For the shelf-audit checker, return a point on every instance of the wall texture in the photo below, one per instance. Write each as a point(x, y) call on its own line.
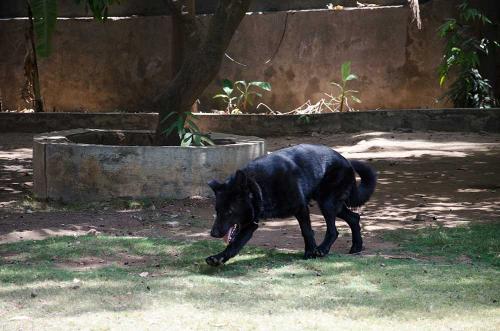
point(68, 8)
point(125, 63)
point(447, 120)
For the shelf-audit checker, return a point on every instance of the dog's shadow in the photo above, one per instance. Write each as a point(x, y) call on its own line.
point(252, 262)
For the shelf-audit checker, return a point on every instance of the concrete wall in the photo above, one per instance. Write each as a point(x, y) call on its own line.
point(68, 8)
point(124, 64)
point(76, 172)
point(448, 120)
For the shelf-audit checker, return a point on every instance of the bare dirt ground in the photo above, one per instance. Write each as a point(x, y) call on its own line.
point(424, 179)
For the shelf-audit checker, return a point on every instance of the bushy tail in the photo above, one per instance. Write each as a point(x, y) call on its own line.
point(362, 193)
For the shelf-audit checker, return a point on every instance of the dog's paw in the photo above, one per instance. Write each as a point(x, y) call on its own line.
point(215, 260)
point(309, 254)
point(320, 252)
point(356, 249)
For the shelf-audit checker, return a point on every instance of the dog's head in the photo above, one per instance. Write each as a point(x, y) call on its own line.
point(233, 205)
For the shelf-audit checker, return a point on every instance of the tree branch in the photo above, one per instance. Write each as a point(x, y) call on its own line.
point(184, 13)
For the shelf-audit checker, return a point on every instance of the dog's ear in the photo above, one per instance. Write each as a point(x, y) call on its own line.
point(241, 179)
point(215, 185)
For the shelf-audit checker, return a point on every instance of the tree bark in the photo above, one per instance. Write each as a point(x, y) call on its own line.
point(200, 65)
point(34, 75)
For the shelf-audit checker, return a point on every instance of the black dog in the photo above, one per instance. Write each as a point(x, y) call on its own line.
point(281, 184)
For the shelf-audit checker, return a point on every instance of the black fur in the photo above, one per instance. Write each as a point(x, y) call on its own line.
point(281, 185)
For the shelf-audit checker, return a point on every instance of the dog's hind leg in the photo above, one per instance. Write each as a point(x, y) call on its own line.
point(307, 232)
point(233, 248)
point(329, 209)
point(352, 220)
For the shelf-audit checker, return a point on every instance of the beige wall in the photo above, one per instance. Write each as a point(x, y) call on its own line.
point(124, 64)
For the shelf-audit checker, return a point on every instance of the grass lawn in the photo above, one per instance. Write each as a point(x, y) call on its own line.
point(100, 283)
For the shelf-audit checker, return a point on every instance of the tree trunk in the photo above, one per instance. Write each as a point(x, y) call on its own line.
point(34, 76)
point(200, 65)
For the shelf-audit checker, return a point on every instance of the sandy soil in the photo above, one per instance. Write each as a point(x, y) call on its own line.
point(424, 179)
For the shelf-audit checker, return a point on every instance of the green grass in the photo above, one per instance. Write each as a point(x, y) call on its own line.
point(260, 289)
point(479, 242)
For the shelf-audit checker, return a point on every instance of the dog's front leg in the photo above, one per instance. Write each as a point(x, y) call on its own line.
point(234, 247)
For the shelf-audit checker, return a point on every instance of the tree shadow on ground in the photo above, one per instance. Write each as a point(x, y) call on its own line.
point(176, 272)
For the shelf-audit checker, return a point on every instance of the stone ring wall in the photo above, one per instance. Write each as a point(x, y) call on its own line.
point(81, 172)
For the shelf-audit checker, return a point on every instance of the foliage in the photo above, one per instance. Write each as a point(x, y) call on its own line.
point(189, 133)
point(304, 119)
point(462, 54)
point(345, 95)
point(333, 103)
point(99, 8)
point(45, 17)
point(245, 94)
point(44, 21)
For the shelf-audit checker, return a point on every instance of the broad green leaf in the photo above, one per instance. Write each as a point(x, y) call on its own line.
point(192, 125)
point(346, 70)
point(168, 116)
point(220, 96)
point(442, 80)
point(207, 140)
point(44, 21)
point(263, 85)
point(227, 86)
point(241, 82)
point(197, 140)
point(351, 77)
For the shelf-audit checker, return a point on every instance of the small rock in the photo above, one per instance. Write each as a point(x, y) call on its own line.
point(76, 284)
point(382, 264)
point(425, 218)
point(172, 224)
point(314, 134)
point(33, 294)
point(92, 232)
point(144, 274)
point(174, 215)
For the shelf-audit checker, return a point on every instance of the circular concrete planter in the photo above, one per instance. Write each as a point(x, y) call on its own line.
point(92, 165)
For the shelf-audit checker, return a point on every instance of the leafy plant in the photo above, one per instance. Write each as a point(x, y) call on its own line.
point(45, 17)
point(99, 8)
point(245, 94)
point(345, 95)
point(462, 54)
point(189, 133)
point(304, 119)
point(44, 22)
